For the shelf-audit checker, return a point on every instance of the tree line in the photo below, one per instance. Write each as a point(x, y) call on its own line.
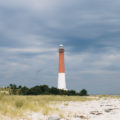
point(43, 90)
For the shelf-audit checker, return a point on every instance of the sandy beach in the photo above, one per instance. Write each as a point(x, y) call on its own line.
point(103, 109)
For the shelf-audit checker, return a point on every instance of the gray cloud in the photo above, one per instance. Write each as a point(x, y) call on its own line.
point(30, 32)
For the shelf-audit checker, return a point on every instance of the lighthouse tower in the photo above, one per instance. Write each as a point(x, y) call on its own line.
point(61, 74)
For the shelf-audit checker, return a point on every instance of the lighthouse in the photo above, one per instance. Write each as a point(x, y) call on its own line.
point(61, 73)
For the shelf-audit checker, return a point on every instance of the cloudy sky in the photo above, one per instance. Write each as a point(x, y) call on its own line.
point(31, 31)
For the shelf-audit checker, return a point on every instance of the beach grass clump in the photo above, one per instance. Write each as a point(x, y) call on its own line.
point(19, 103)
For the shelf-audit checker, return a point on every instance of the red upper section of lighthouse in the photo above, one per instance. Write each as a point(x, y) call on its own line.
point(61, 59)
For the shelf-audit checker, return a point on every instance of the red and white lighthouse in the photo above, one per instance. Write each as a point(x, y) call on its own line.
point(61, 74)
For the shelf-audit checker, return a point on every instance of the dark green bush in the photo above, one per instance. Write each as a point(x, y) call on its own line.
point(83, 92)
point(43, 90)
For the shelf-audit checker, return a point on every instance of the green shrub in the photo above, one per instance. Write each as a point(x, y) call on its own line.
point(83, 92)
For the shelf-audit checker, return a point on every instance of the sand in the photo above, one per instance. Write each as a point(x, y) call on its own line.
point(103, 109)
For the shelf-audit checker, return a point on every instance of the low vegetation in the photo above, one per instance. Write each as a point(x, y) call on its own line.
point(18, 101)
point(16, 105)
point(109, 96)
point(43, 90)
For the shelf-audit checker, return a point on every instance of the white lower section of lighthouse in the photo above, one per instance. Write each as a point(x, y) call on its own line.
point(61, 81)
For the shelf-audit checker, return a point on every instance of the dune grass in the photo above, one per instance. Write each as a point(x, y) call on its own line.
point(15, 105)
point(109, 96)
